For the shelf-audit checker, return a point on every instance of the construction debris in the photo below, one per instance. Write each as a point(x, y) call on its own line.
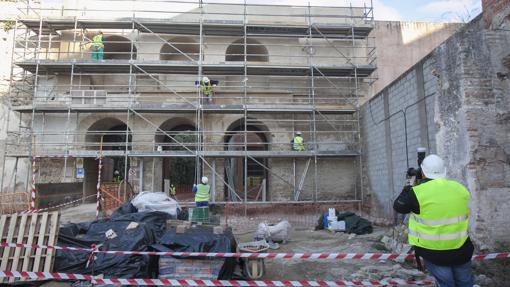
point(279, 232)
point(353, 223)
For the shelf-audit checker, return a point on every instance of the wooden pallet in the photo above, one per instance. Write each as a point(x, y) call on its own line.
point(36, 228)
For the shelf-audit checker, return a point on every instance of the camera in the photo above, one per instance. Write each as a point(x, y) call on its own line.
point(416, 172)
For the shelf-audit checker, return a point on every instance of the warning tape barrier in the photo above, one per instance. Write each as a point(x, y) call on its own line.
point(302, 256)
point(202, 282)
point(30, 211)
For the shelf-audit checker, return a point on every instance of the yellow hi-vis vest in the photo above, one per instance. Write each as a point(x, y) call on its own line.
point(202, 193)
point(206, 88)
point(443, 221)
point(298, 143)
point(97, 41)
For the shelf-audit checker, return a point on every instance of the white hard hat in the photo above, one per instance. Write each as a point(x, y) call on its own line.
point(205, 79)
point(433, 167)
point(298, 133)
point(205, 180)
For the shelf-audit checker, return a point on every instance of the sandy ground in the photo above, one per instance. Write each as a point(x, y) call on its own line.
point(326, 241)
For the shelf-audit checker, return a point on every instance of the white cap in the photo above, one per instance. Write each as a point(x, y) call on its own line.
point(298, 133)
point(433, 167)
point(205, 180)
point(205, 79)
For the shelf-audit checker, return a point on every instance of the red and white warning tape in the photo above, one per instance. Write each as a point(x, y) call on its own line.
point(302, 256)
point(33, 189)
point(98, 187)
point(30, 211)
point(195, 282)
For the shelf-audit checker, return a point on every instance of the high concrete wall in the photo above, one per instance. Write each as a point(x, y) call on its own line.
point(464, 117)
point(399, 45)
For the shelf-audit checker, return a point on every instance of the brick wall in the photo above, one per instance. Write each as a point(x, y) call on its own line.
point(494, 11)
point(457, 107)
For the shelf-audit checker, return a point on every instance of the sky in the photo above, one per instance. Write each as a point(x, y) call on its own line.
point(427, 10)
point(397, 10)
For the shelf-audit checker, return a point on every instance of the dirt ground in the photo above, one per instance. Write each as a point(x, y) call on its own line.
point(304, 239)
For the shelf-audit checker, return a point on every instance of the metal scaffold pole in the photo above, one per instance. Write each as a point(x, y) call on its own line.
point(201, 100)
point(130, 105)
point(245, 111)
point(314, 123)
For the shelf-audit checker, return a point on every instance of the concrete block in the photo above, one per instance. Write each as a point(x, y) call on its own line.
point(181, 229)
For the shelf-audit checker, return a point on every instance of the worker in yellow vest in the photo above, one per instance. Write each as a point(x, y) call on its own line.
point(298, 142)
point(206, 87)
point(202, 192)
point(117, 178)
point(172, 191)
point(439, 224)
point(98, 47)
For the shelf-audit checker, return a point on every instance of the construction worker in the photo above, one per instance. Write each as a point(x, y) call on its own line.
point(202, 192)
point(98, 47)
point(439, 223)
point(206, 87)
point(116, 176)
point(298, 142)
point(172, 190)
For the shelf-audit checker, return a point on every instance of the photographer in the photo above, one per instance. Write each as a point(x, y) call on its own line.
point(439, 223)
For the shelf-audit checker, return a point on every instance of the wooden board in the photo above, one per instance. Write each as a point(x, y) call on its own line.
point(36, 228)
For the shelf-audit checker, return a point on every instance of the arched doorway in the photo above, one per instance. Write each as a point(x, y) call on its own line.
point(257, 136)
point(255, 51)
point(118, 48)
point(179, 171)
point(108, 134)
point(186, 45)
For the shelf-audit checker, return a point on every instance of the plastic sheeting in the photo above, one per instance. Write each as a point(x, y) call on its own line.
point(201, 239)
point(149, 227)
point(353, 223)
point(156, 201)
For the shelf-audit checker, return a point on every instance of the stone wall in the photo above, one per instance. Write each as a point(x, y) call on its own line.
point(464, 117)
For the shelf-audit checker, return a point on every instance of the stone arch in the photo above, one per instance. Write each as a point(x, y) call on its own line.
point(180, 171)
point(118, 48)
point(255, 51)
point(186, 45)
point(258, 136)
point(113, 132)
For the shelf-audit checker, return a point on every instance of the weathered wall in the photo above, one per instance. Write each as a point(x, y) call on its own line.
point(399, 45)
point(465, 118)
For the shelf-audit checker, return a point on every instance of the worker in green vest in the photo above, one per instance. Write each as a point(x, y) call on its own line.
point(202, 192)
point(439, 224)
point(98, 47)
point(117, 178)
point(172, 190)
point(206, 87)
point(298, 142)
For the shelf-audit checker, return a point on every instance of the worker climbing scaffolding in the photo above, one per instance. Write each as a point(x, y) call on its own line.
point(206, 88)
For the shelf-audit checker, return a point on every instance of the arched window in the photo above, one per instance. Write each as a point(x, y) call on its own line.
point(118, 48)
point(185, 45)
point(255, 51)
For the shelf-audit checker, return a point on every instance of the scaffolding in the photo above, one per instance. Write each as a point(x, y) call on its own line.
point(280, 69)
